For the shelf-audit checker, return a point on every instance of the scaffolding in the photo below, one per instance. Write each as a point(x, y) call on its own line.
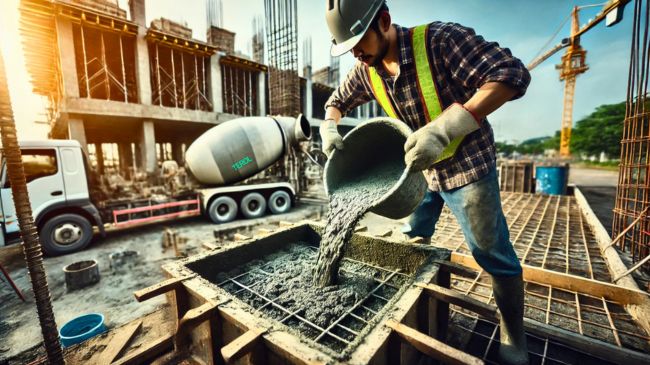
point(179, 75)
point(105, 63)
point(282, 41)
point(633, 195)
point(240, 85)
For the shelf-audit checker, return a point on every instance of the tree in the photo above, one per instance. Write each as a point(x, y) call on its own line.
point(600, 131)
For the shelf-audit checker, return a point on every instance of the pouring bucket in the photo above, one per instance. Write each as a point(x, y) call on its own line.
point(379, 141)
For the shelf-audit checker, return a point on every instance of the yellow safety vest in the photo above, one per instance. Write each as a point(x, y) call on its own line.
point(426, 86)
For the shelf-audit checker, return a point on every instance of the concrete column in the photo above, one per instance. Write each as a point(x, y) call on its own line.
point(77, 131)
point(138, 157)
point(147, 147)
point(99, 154)
point(216, 90)
point(261, 94)
point(177, 153)
point(137, 10)
point(126, 158)
point(66, 50)
point(142, 72)
point(309, 94)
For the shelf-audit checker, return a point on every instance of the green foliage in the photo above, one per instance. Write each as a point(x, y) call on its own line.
point(600, 131)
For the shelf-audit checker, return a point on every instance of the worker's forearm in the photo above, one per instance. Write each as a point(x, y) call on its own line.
point(489, 98)
point(333, 113)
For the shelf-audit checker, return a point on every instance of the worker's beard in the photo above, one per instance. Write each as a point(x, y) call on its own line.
point(383, 50)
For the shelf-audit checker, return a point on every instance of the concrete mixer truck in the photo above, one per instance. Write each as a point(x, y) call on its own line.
point(69, 205)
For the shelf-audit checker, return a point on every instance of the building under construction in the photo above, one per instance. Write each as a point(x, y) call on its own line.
point(124, 89)
point(136, 94)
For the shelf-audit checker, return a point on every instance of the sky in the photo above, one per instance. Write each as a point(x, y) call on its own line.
point(524, 26)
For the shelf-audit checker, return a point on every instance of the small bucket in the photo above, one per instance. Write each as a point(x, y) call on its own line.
point(82, 328)
point(378, 141)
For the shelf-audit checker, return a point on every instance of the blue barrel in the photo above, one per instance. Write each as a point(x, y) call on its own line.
point(551, 180)
point(82, 328)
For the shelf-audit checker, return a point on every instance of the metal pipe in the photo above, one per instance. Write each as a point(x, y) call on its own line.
point(83, 50)
point(124, 88)
point(158, 76)
point(174, 79)
point(107, 83)
point(183, 78)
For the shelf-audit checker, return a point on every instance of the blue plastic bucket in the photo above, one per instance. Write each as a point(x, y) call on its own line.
point(551, 180)
point(82, 328)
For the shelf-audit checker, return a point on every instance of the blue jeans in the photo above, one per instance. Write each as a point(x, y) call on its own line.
point(477, 207)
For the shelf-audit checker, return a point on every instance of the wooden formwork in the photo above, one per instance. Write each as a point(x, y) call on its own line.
point(516, 176)
point(216, 327)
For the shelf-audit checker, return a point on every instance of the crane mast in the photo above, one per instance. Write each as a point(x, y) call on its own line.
point(573, 64)
point(573, 61)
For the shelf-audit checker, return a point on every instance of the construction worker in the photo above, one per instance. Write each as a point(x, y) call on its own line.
point(442, 80)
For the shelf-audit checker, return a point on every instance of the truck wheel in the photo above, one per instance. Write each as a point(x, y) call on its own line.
point(253, 205)
point(65, 233)
point(279, 202)
point(223, 209)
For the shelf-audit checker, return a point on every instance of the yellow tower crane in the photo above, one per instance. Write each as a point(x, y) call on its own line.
point(573, 61)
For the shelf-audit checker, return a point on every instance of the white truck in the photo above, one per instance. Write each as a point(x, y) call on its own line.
point(59, 184)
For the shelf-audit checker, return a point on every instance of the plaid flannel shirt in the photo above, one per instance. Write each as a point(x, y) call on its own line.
point(462, 62)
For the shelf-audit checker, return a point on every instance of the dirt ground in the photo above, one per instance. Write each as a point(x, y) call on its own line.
point(113, 295)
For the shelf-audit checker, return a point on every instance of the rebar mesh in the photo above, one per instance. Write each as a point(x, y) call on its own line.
point(550, 232)
point(342, 331)
point(482, 340)
point(632, 196)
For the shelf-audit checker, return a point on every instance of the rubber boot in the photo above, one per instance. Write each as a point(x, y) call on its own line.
point(509, 296)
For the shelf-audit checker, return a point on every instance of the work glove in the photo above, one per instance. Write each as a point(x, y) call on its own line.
point(425, 146)
point(330, 136)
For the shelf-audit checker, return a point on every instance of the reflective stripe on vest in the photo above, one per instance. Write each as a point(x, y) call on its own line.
point(426, 87)
point(381, 95)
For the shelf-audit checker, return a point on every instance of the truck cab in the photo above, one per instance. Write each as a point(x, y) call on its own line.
point(57, 183)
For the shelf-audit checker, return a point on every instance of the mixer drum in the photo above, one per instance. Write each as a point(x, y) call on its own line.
point(240, 148)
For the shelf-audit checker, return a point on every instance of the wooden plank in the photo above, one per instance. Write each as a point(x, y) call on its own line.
point(578, 284)
point(241, 346)
point(432, 347)
point(640, 311)
point(197, 315)
point(614, 262)
point(453, 297)
point(209, 246)
point(241, 237)
point(148, 352)
point(160, 288)
point(594, 347)
point(456, 269)
point(119, 341)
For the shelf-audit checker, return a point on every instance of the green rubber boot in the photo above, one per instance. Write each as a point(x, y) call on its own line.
point(509, 295)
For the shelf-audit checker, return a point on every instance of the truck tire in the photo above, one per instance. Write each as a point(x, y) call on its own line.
point(253, 205)
point(279, 202)
point(223, 209)
point(65, 233)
